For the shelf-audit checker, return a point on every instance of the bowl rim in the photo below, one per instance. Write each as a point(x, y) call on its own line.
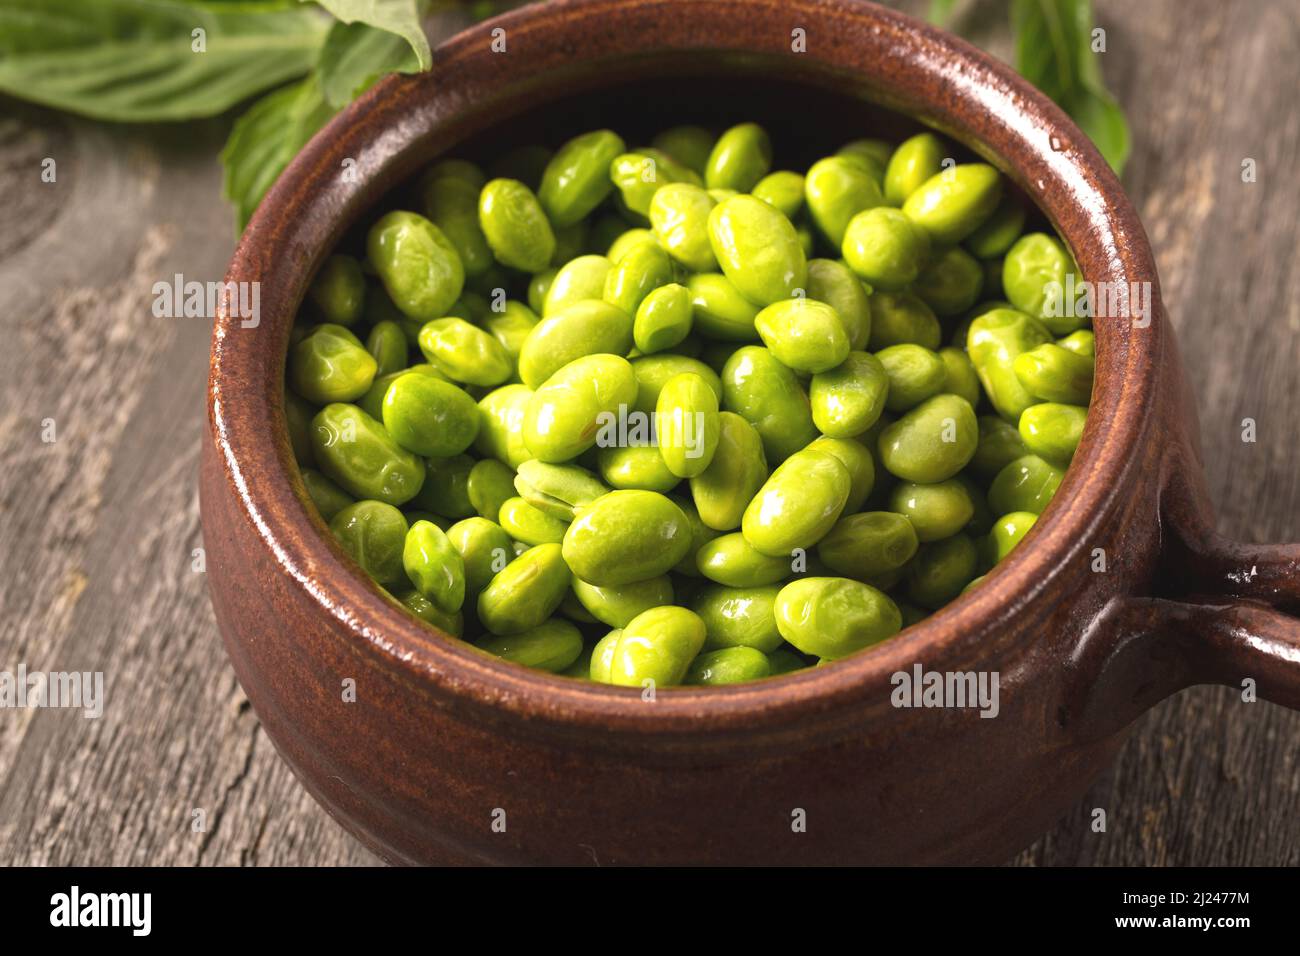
point(910, 65)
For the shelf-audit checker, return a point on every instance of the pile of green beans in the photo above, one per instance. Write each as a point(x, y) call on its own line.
point(860, 396)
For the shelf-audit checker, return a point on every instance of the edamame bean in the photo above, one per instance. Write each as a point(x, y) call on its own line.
point(834, 617)
point(584, 328)
point(848, 399)
point(560, 490)
point(737, 470)
point(936, 511)
point(836, 189)
point(738, 617)
point(941, 570)
point(485, 548)
point(731, 560)
point(387, 343)
point(718, 310)
point(357, 454)
point(526, 592)
point(618, 605)
point(932, 442)
point(663, 318)
point(914, 374)
point(373, 533)
point(757, 249)
point(576, 179)
point(428, 416)
point(1052, 430)
point(451, 204)
point(884, 247)
point(638, 175)
point(653, 371)
point(424, 609)
point(550, 646)
point(510, 327)
point(642, 270)
point(515, 225)
point(766, 394)
point(687, 424)
point(912, 165)
point(999, 445)
point(999, 232)
point(689, 145)
point(803, 334)
point(328, 497)
point(798, 504)
point(1027, 484)
point(528, 524)
point(339, 290)
point(490, 485)
point(959, 375)
point(783, 191)
point(656, 647)
point(869, 545)
point(739, 159)
point(465, 353)
point(446, 488)
point(571, 409)
point(501, 425)
point(954, 202)
point(856, 457)
point(434, 566)
point(419, 267)
point(951, 283)
point(1055, 374)
point(626, 536)
point(679, 215)
point(581, 278)
point(728, 665)
point(901, 318)
point(832, 282)
point(331, 365)
point(636, 466)
point(995, 339)
point(1034, 276)
point(1008, 532)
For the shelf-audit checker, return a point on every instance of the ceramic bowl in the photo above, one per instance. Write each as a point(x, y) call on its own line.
point(1121, 595)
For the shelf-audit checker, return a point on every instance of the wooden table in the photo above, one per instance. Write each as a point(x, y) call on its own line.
point(99, 526)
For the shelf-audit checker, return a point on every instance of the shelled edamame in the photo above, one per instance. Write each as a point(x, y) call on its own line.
point(675, 414)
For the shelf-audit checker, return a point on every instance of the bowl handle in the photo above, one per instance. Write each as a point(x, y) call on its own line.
point(1218, 612)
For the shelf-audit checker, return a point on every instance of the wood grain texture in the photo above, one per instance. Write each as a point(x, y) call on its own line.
point(97, 528)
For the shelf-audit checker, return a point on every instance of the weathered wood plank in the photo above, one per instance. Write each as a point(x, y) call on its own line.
point(97, 528)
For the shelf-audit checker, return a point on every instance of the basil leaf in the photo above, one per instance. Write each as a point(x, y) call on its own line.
point(355, 55)
point(940, 11)
point(401, 17)
point(135, 60)
point(1101, 118)
point(266, 138)
point(1054, 52)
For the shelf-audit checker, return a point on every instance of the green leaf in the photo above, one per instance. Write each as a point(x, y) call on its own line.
point(134, 60)
point(1101, 118)
point(266, 138)
point(940, 11)
point(401, 17)
point(356, 55)
point(1054, 52)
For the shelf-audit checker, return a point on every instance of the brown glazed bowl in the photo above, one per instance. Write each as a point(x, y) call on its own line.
point(447, 755)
